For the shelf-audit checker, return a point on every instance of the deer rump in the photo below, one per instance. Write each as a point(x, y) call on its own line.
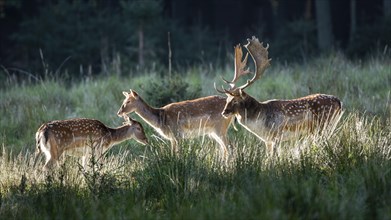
point(304, 115)
point(54, 140)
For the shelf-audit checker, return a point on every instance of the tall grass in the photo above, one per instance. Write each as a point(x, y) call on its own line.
point(344, 176)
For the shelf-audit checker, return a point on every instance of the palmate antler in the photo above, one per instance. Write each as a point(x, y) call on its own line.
point(261, 59)
point(239, 65)
point(259, 54)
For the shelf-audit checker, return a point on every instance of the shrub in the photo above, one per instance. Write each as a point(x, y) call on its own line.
point(164, 90)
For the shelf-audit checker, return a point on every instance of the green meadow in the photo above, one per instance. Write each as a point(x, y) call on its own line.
point(344, 176)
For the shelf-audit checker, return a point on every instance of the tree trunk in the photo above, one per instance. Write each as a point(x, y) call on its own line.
point(140, 46)
point(169, 54)
point(308, 11)
point(276, 20)
point(387, 8)
point(104, 53)
point(324, 27)
point(353, 21)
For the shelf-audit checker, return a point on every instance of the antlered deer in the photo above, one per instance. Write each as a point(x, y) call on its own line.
point(275, 120)
point(78, 136)
point(181, 120)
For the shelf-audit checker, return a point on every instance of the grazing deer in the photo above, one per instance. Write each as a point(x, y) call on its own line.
point(78, 136)
point(181, 120)
point(275, 120)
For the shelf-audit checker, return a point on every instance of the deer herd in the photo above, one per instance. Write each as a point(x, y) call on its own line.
point(271, 121)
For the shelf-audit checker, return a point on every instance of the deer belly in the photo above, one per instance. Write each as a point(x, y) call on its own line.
point(294, 129)
point(257, 128)
point(78, 152)
point(195, 127)
point(161, 133)
point(80, 146)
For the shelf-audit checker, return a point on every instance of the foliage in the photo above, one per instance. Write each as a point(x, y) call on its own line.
point(100, 32)
point(295, 41)
point(141, 12)
point(376, 38)
point(25, 105)
point(87, 35)
point(164, 90)
point(345, 176)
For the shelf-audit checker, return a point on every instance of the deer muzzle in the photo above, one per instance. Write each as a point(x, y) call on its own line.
point(120, 112)
point(226, 113)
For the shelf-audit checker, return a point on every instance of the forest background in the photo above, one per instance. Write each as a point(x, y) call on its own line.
point(76, 37)
point(63, 59)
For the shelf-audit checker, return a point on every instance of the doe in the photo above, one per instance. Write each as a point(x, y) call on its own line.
point(78, 136)
point(183, 120)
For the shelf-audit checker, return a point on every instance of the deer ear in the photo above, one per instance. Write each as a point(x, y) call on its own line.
point(128, 120)
point(126, 94)
point(134, 94)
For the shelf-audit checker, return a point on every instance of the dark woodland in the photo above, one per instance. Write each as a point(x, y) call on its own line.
point(64, 59)
point(76, 36)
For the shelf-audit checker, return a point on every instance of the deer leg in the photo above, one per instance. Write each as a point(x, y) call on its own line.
point(45, 149)
point(83, 161)
point(174, 146)
point(48, 157)
point(270, 145)
point(49, 164)
point(222, 141)
point(51, 154)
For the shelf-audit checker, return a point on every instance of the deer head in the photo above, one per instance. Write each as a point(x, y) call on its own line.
point(135, 129)
point(129, 104)
point(236, 95)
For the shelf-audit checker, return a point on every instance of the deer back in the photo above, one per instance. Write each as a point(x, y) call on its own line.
point(184, 119)
point(193, 115)
point(302, 115)
point(76, 133)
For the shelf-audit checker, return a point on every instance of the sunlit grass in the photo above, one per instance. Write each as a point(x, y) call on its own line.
point(343, 176)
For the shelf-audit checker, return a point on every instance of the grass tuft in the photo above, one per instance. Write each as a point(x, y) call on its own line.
point(345, 175)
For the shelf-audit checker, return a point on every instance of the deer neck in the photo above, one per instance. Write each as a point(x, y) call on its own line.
point(152, 116)
point(253, 118)
point(252, 111)
point(119, 134)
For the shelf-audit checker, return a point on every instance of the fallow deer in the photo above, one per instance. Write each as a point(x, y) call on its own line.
point(78, 136)
point(182, 120)
point(275, 120)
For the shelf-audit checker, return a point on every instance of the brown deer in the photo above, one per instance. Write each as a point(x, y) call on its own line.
point(78, 136)
point(275, 120)
point(182, 120)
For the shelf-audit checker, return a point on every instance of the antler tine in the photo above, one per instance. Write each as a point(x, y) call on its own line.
point(239, 66)
point(218, 90)
point(224, 91)
point(260, 55)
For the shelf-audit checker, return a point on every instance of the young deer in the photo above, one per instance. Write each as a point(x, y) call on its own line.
point(275, 120)
point(78, 136)
point(181, 120)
